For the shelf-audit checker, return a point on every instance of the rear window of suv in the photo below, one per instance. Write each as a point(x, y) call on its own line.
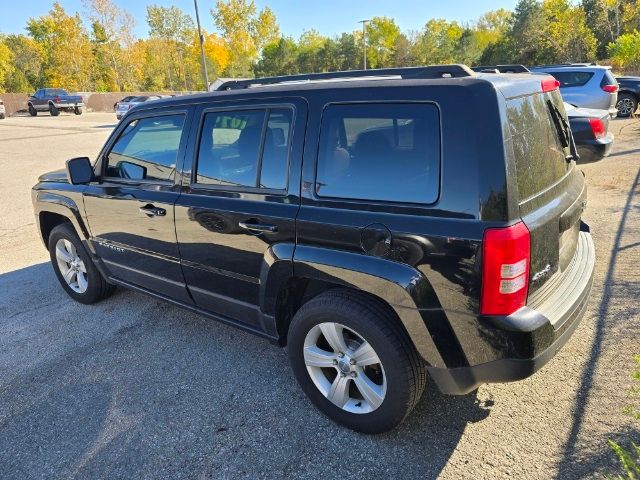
point(540, 159)
point(380, 152)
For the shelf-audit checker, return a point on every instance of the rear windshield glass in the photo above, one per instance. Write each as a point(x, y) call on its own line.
point(572, 79)
point(540, 159)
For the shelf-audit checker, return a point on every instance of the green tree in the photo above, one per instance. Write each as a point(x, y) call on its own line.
point(28, 59)
point(6, 64)
point(382, 34)
point(438, 41)
point(278, 58)
point(112, 34)
point(625, 51)
point(245, 31)
point(68, 58)
point(174, 29)
point(567, 38)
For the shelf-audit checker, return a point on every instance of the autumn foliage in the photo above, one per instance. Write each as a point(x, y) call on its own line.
point(96, 49)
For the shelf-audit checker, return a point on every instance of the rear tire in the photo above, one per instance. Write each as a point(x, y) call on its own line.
point(1, 116)
point(74, 268)
point(77, 110)
point(53, 110)
point(32, 111)
point(626, 105)
point(385, 385)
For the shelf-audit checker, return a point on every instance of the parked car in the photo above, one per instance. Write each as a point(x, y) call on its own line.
point(364, 224)
point(628, 95)
point(3, 112)
point(128, 98)
point(590, 128)
point(123, 107)
point(54, 100)
point(585, 85)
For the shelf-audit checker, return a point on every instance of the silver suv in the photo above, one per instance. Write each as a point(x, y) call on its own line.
point(585, 85)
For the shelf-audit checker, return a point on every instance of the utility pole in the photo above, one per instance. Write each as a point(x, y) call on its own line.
point(204, 60)
point(364, 42)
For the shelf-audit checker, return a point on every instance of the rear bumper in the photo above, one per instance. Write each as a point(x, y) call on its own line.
point(596, 150)
point(543, 327)
point(69, 104)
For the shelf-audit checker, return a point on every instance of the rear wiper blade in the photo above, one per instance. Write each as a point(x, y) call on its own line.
point(564, 132)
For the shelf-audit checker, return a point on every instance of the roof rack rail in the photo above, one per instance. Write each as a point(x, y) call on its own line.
point(430, 71)
point(508, 68)
point(577, 64)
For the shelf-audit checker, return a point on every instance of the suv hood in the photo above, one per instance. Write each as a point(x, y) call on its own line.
point(58, 176)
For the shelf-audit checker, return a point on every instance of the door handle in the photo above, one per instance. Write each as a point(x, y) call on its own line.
point(258, 227)
point(152, 211)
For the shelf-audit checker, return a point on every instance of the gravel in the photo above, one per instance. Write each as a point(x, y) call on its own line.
point(136, 388)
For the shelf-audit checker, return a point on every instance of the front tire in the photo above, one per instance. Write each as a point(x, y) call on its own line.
point(74, 268)
point(354, 361)
point(32, 111)
point(53, 110)
point(626, 105)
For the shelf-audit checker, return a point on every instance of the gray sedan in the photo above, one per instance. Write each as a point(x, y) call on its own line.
point(123, 107)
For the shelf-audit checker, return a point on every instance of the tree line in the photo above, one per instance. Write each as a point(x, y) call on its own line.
point(102, 53)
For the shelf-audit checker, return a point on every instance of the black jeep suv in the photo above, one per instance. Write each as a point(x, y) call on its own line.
point(355, 217)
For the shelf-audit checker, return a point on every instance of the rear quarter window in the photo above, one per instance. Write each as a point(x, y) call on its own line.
point(380, 152)
point(572, 79)
point(539, 157)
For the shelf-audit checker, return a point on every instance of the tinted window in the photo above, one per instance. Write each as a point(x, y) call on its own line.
point(275, 156)
point(572, 79)
point(540, 159)
point(235, 146)
point(388, 152)
point(608, 79)
point(57, 91)
point(147, 149)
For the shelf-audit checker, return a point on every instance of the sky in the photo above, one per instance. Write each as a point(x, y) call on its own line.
point(329, 17)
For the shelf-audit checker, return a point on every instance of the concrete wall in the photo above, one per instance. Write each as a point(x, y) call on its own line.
point(94, 102)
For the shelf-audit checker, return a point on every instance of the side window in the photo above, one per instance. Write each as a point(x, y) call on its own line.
point(237, 148)
point(572, 79)
point(384, 152)
point(147, 149)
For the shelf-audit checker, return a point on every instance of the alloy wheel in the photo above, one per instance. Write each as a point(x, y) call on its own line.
point(625, 106)
point(71, 266)
point(345, 368)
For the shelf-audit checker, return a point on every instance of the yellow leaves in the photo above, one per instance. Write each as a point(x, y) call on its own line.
point(6, 67)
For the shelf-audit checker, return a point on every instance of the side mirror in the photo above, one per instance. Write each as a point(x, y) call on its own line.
point(79, 170)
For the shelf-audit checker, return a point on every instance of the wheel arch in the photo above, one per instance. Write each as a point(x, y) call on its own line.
point(54, 209)
point(633, 93)
point(396, 286)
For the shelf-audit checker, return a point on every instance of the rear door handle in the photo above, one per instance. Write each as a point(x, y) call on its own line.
point(258, 227)
point(152, 211)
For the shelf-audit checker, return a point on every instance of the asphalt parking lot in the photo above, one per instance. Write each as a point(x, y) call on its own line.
point(136, 388)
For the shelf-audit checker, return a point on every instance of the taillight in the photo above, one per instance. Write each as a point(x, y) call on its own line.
point(57, 100)
point(549, 84)
point(506, 259)
point(597, 125)
point(610, 88)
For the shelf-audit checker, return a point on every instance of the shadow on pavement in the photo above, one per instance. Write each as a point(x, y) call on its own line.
point(569, 467)
point(133, 387)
